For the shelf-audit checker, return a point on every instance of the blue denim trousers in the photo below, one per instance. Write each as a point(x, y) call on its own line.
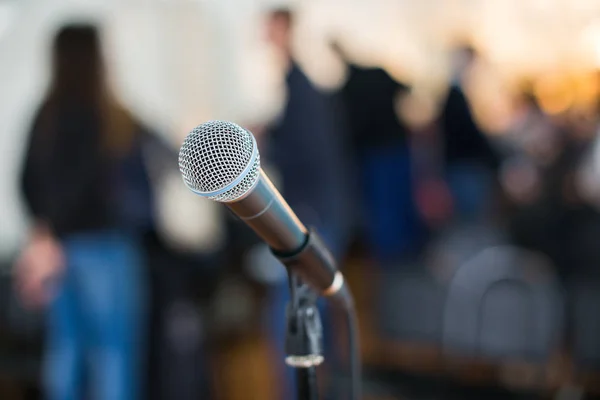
point(96, 322)
point(394, 229)
point(471, 186)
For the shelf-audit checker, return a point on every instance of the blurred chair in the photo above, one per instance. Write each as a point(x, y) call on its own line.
point(504, 303)
point(411, 299)
point(21, 334)
point(585, 323)
point(182, 285)
point(456, 245)
point(21, 323)
point(410, 306)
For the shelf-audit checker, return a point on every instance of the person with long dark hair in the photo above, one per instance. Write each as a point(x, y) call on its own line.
point(89, 196)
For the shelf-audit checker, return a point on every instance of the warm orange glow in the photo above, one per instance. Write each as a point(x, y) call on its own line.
point(554, 93)
point(587, 87)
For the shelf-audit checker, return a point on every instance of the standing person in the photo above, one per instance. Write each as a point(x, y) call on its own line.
point(86, 188)
point(469, 160)
point(305, 146)
point(394, 231)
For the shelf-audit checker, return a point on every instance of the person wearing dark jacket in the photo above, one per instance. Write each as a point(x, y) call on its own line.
point(469, 160)
point(86, 187)
point(306, 147)
point(381, 141)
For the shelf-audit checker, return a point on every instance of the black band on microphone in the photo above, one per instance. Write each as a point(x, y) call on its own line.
point(316, 266)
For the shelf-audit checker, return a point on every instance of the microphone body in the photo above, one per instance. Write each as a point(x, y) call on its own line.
point(269, 215)
point(302, 251)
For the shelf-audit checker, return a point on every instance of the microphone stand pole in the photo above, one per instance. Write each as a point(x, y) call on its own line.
point(304, 338)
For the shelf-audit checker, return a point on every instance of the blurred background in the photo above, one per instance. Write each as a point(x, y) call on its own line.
point(447, 150)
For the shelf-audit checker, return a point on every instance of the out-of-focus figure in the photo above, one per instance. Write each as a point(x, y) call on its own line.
point(87, 189)
point(554, 211)
point(381, 146)
point(469, 160)
point(532, 143)
point(305, 146)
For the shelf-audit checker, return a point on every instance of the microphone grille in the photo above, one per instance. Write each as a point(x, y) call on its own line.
point(219, 160)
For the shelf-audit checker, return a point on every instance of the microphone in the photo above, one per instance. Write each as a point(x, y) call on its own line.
point(219, 160)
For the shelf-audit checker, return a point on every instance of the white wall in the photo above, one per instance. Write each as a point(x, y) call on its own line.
point(180, 62)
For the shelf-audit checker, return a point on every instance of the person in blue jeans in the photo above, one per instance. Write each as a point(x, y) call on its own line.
point(94, 321)
point(85, 185)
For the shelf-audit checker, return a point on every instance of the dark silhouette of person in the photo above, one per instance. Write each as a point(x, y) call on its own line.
point(468, 158)
point(562, 222)
point(382, 153)
point(86, 187)
point(306, 147)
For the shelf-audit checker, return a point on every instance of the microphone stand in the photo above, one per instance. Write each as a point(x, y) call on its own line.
point(304, 338)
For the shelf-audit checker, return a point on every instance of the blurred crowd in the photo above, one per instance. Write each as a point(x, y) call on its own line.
point(480, 243)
